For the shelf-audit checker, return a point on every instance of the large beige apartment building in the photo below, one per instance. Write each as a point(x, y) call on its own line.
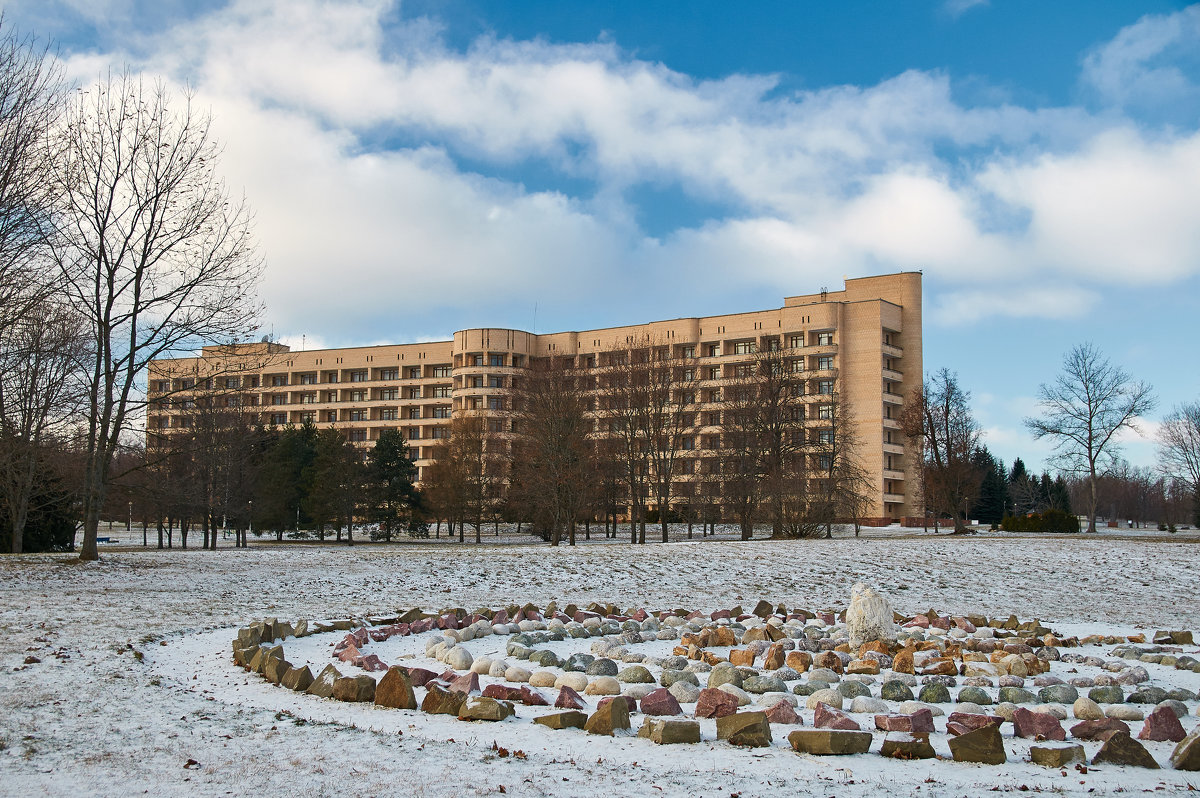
point(866, 336)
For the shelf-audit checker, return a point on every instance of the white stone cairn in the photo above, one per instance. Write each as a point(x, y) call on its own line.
point(869, 616)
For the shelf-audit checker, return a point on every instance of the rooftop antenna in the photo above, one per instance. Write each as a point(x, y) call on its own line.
point(534, 329)
point(303, 342)
point(823, 293)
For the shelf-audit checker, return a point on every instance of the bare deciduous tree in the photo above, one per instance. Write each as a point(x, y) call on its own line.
point(153, 252)
point(938, 417)
point(554, 469)
point(31, 94)
point(1089, 402)
point(1179, 449)
point(648, 401)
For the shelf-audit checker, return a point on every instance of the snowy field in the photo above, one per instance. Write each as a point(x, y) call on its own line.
point(91, 718)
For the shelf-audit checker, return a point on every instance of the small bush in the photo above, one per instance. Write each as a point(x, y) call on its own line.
point(1053, 521)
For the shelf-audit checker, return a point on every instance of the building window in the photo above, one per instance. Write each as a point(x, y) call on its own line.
point(331, 376)
point(278, 381)
point(414, 412)
point(308, 379)
point(495, 382)
point(688, 375)
point(712, 350)
point(415, 393)
point(252, 382)
point(825, 339)
point(824, 462)
point(743, 370)
point(356, 435)
point(495, 403)
point(772, 344)
point(687, 443)
point(744, 348)
point(358, 375)
point(331, 416)
point(414, 372)
point(495, 360)
point(496, 425)
point(389, 394)
point(518, 361)
point(308, 417)
point(825, 363)
point(688, 352)
point(358, 396)
point(412, 433)
point(279, 399)
point(233, 382)
point(441, 433)
point(389, 374)
point(825, 412)
point(475, 360)
point(442, 371)
point(441, 391)
point(825, 436)
point(278, 419)
point(714, 373)
point(796, 341)
point(358, 415)
point(441, 411)
point(825, 387)
point(308, 398)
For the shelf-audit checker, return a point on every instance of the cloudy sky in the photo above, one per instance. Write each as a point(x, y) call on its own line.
point(421, 167)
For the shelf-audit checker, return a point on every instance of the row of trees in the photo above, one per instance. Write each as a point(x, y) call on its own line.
point(119, 244)
point(1083, 414)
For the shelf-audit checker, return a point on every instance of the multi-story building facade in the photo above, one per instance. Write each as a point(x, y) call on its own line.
point(867, 337)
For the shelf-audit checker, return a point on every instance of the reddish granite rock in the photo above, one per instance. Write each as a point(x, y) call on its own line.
point(1096, 729)
point(660, 702)
point(531, 697)
point(348, 654)
point(502, 692)
point(420, 676)
point(567, 699)
point(1037, 725)
point(379, 635)
point(919, 621)
point(448, 621)
point(919, 721)
point(719, 614)
point(500, 617)
point(372, 663)
point(827, 717)
point(714, 703)
point(466, 683)
point(783, 712)
point(1162, 725)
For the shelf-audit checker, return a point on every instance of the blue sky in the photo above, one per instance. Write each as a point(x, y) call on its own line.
point(419, 167)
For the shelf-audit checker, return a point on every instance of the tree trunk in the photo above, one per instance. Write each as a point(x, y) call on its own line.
point(1091, 527)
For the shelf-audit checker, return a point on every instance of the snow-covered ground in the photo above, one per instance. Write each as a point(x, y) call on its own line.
point(91, 718)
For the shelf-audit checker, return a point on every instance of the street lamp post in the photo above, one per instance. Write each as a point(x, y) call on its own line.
point(129, 523)
point(249, 523)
